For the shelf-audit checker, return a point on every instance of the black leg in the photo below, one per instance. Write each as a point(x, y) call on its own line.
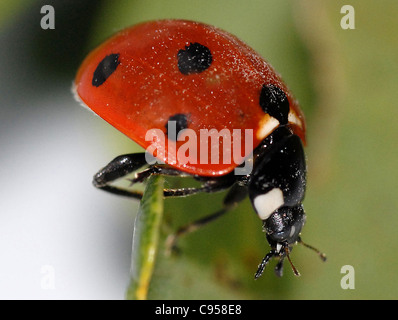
point(123, 192)
point(264, 262)
point(209, 185)
point(128, 163)
point(182, 192)
point(158, 169)
point(118, 168)
point(235, 195)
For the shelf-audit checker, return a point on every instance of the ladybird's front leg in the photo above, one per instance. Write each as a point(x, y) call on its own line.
point(125, 164)
point(118, 168)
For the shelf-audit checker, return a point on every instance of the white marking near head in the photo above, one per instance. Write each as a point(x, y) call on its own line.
point(265, 204)
point(293, 118)
point(266, 125)
point(278, 247)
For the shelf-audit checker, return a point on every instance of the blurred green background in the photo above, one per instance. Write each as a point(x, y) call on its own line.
point(346, 83)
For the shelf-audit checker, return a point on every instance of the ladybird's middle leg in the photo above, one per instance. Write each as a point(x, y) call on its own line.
point(168, 171)
point(209, 185)
point(236, 194)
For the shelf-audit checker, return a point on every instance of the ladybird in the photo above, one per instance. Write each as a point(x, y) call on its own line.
point(164, 82)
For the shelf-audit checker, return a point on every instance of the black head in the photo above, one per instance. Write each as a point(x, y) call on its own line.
point(284, 226)
point(282, 230)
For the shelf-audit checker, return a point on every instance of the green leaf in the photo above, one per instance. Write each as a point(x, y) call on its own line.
point(146, 239)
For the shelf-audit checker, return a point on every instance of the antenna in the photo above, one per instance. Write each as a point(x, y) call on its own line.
point(321, 254)
point(279, 267)
point(295, 271)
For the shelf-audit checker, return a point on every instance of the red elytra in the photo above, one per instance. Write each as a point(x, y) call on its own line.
point(147, 88)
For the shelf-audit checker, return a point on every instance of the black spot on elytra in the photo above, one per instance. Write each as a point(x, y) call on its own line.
point(274, 102)
point(175, 125)
point(105, 68)
point(195, 58)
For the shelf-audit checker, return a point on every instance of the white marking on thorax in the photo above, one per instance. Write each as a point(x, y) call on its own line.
point(293, 118)
point(265, 204)
point(266, 126)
